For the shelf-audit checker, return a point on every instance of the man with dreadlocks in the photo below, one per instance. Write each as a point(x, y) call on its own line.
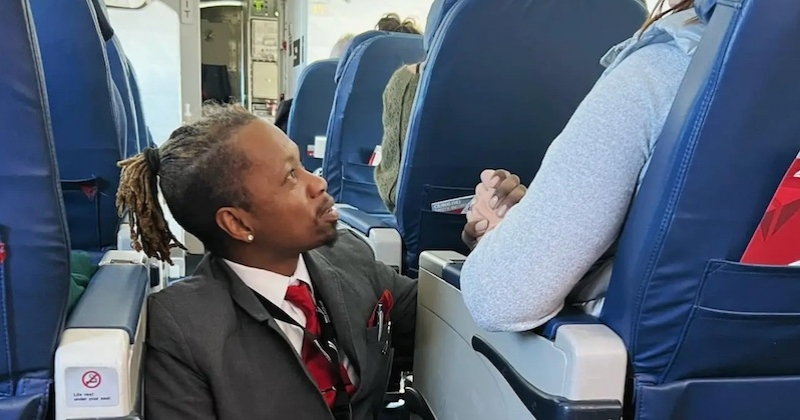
point(281, 320)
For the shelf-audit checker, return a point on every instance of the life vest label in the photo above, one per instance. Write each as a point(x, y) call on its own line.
point(91, 387)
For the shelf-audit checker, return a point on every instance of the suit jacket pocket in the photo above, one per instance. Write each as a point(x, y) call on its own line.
point(379, 365)
point(379, 346)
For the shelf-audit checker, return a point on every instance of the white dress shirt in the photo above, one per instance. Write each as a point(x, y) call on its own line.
point(273, 286)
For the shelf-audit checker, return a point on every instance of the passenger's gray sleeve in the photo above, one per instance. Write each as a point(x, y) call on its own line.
point(520, 273)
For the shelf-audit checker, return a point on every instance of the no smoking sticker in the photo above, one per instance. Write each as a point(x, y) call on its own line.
point(91, 387)
point(91, 379)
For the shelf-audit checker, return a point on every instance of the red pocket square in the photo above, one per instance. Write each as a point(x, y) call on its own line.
point(387, 300)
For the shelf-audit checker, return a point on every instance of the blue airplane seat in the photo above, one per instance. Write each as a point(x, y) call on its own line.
point(145, 138)
point(468, 116)
point(355, 125)
point(708, 336)
point(118, 64)
point(34, 260)
point(436, 15)
point(311, 108)
point(119, 114)
point(119, 90)
point(354, 43)
point(120, 75)
point(687, 331)
point(44, 349)
point(150, 140)
point(87, 117)
point(379, 230)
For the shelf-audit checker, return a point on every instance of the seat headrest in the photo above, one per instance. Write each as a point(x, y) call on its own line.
point(357, 40)
point(436, 16)
point(103, 22)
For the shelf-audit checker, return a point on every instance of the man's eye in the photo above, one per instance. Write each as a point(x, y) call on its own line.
point(292, 174)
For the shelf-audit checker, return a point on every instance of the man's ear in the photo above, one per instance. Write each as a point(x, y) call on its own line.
point(235, 223)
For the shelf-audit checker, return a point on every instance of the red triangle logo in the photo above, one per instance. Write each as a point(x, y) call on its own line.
point(90, 191)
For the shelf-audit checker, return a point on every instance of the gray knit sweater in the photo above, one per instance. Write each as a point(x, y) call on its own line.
point(398, 97)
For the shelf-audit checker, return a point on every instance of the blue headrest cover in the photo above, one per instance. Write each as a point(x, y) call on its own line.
point(355, 43)
point(436, 16)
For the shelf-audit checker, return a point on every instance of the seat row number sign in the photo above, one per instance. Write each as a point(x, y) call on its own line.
point(91, 387)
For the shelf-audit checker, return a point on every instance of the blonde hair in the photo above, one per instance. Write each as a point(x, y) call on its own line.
point(341, 45)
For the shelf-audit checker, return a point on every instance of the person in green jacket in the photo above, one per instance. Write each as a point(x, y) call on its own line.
point(397, 100)
point(398, 97)
point(81, 271)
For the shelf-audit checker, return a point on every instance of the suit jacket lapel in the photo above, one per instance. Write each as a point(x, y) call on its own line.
point(327, 281)
point(241, 294)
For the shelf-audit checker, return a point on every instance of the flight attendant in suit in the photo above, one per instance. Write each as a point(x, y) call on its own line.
point(285, 318)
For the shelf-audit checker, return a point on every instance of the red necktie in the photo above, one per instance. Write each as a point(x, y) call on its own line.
point(316, 363)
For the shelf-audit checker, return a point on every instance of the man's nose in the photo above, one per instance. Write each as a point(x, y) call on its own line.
point(317, 185)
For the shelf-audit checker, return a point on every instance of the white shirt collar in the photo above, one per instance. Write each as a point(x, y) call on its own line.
point(269, 284)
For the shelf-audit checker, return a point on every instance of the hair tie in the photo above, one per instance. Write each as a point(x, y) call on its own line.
point(153, 159)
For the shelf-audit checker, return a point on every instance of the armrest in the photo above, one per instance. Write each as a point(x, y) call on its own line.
point(360, 221)
point(585, 361)
point(451, 273)
point(128, 417)
point(447, 266)
point(570, 315)
point(124, 257)
point(543, 405)
point(113, 299)
point(157, 273)
point(98, 362)
point(443, 264)
point(378, 232)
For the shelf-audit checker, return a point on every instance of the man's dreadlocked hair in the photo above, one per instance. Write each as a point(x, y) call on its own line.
point(197, 169)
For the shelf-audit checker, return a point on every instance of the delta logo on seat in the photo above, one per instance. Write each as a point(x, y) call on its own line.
point(775, 240)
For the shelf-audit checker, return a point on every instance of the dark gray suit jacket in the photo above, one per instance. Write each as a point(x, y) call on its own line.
point(213, 351)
